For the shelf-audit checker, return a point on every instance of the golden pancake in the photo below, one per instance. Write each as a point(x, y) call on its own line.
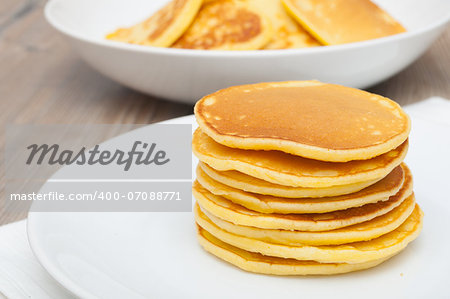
point(305, 118)
point(248, 183)
point(380, 191)
point(285, 169)
point(288, 34)
point(258, 263)
point(355, 233)
point(335, 22)
point(163, 28)
point(227, 210)
point(227, 25)
point(357, 252)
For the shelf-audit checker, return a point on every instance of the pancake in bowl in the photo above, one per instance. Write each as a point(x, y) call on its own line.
point(285, 169)
point(380, 191)
point(287, 33)
point(258, 263)
point(355, 233)
point(161, 29)
point(358, 252)
point(227, 25)
point(225, 209)
point(334, 22)
point(310, 119)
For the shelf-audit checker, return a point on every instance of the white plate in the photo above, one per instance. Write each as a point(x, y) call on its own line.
point(156, 255)
point(187, 75)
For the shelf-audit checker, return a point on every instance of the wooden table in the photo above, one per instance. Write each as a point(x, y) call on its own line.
point(43, 81)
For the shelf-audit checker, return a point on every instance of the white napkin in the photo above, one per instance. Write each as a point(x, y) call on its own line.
point(21, 275)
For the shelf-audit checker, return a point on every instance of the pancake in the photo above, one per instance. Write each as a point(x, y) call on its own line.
point(227, 25)
point(285, 169)
point(258, 263)
point(163, 28)
point(355, 233)
point(335, 22)
point(248, 183)
point(288, 34)
point(305, 118)
point(380, 191)
point(357, 252)
point(227, 210)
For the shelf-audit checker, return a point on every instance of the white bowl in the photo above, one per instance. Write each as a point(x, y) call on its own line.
point(187, 75)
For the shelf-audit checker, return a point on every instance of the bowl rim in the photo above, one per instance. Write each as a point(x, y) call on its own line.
point(49, 6)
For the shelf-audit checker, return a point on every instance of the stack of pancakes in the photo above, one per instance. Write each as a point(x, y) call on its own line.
point(303, 177)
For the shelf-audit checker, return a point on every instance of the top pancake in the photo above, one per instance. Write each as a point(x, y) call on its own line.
point(227, 25)
point(334, 22)
point(305, 118)
point(163, 28)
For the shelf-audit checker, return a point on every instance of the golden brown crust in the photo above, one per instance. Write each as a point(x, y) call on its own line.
point(305, 118)
point(162, 28)
point(258, 263)
point(355, 233)
point(284, 169)
point(226, 25)
point(336, 22)
point(235, 213)
point(357, 252)
point(248, 183)
point(380, 191)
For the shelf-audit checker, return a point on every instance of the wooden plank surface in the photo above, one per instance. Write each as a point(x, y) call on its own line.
point(42, 80)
